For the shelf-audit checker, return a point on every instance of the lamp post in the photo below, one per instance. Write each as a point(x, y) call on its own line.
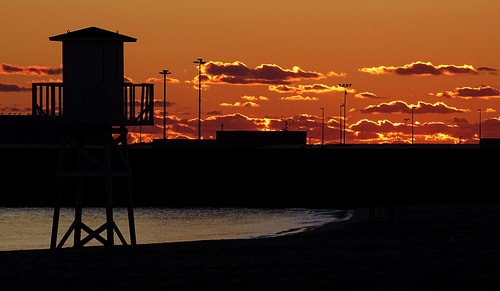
point(345, 85)
point(406, 121)
point(200, 62)
point(340, 125)
point(322, 125)
point(480, 122)
point(413, 107)
point(165, 73)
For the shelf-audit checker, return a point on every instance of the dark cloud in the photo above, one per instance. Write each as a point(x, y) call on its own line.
point(471, 92)
point(239, 73)
point(403, 107)
point(314, 88)
point(421, 69)
point(367, 95)
point(481, 91)
point(12, 88)
point(492, 71)
point(8, 69)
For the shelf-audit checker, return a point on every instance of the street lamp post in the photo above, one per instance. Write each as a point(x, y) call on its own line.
point(340, 123)
point(480, 124)
point(165, 73)
point(322, 125)
point(406, 122)
point(413, 107)
point(345, 85)
point(200, 62)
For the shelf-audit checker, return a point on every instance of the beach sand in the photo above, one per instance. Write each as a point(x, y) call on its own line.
point(438, 247)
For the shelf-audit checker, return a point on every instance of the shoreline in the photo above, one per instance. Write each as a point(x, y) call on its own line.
point(452, 246)
point(30, 228)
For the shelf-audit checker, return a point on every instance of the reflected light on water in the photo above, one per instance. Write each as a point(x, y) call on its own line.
point(30, 228)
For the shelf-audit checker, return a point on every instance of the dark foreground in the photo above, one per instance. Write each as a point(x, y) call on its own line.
point(329, 177)
point(426, 247)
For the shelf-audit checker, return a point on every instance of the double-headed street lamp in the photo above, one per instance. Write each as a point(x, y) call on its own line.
point(200, 62)
point(165, 73)
point(345, 85)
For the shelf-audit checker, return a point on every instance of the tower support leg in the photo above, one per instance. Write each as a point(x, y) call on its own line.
point(79, 162)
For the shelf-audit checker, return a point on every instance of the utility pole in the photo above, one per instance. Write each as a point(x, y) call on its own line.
point(165, 73)
point(412, 123)
point(345, 85)
point(480, 124)
point(200, 62)
point(322, 125)
point(340, 125)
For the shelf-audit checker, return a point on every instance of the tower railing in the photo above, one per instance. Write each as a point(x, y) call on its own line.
point(138, 102)
point(47, 100)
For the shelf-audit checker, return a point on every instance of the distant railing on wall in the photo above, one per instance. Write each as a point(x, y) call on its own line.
point(138, 102)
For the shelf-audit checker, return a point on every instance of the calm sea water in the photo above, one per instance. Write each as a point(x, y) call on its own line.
point(30, 228)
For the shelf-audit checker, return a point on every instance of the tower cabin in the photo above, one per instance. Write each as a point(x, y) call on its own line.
point(92, 108)
point(93, 91)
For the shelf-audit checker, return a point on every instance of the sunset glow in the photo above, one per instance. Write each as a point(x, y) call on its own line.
point(272, 65)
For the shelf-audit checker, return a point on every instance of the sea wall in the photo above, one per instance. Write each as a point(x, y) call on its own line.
point(317, 177)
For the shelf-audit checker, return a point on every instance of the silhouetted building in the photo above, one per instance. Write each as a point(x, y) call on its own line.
point(251, 138)
point(489, 143)
point(239, 139)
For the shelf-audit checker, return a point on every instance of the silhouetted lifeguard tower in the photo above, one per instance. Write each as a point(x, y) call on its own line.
point(92, 108)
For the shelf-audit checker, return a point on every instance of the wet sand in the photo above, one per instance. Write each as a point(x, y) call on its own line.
point(442, 246)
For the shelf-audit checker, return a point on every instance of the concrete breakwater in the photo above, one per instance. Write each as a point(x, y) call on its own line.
point(316, 177)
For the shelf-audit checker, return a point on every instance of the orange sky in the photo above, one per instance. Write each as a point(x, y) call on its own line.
point(272, 64)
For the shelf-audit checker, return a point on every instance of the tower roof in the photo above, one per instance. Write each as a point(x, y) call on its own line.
point(92, 33)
